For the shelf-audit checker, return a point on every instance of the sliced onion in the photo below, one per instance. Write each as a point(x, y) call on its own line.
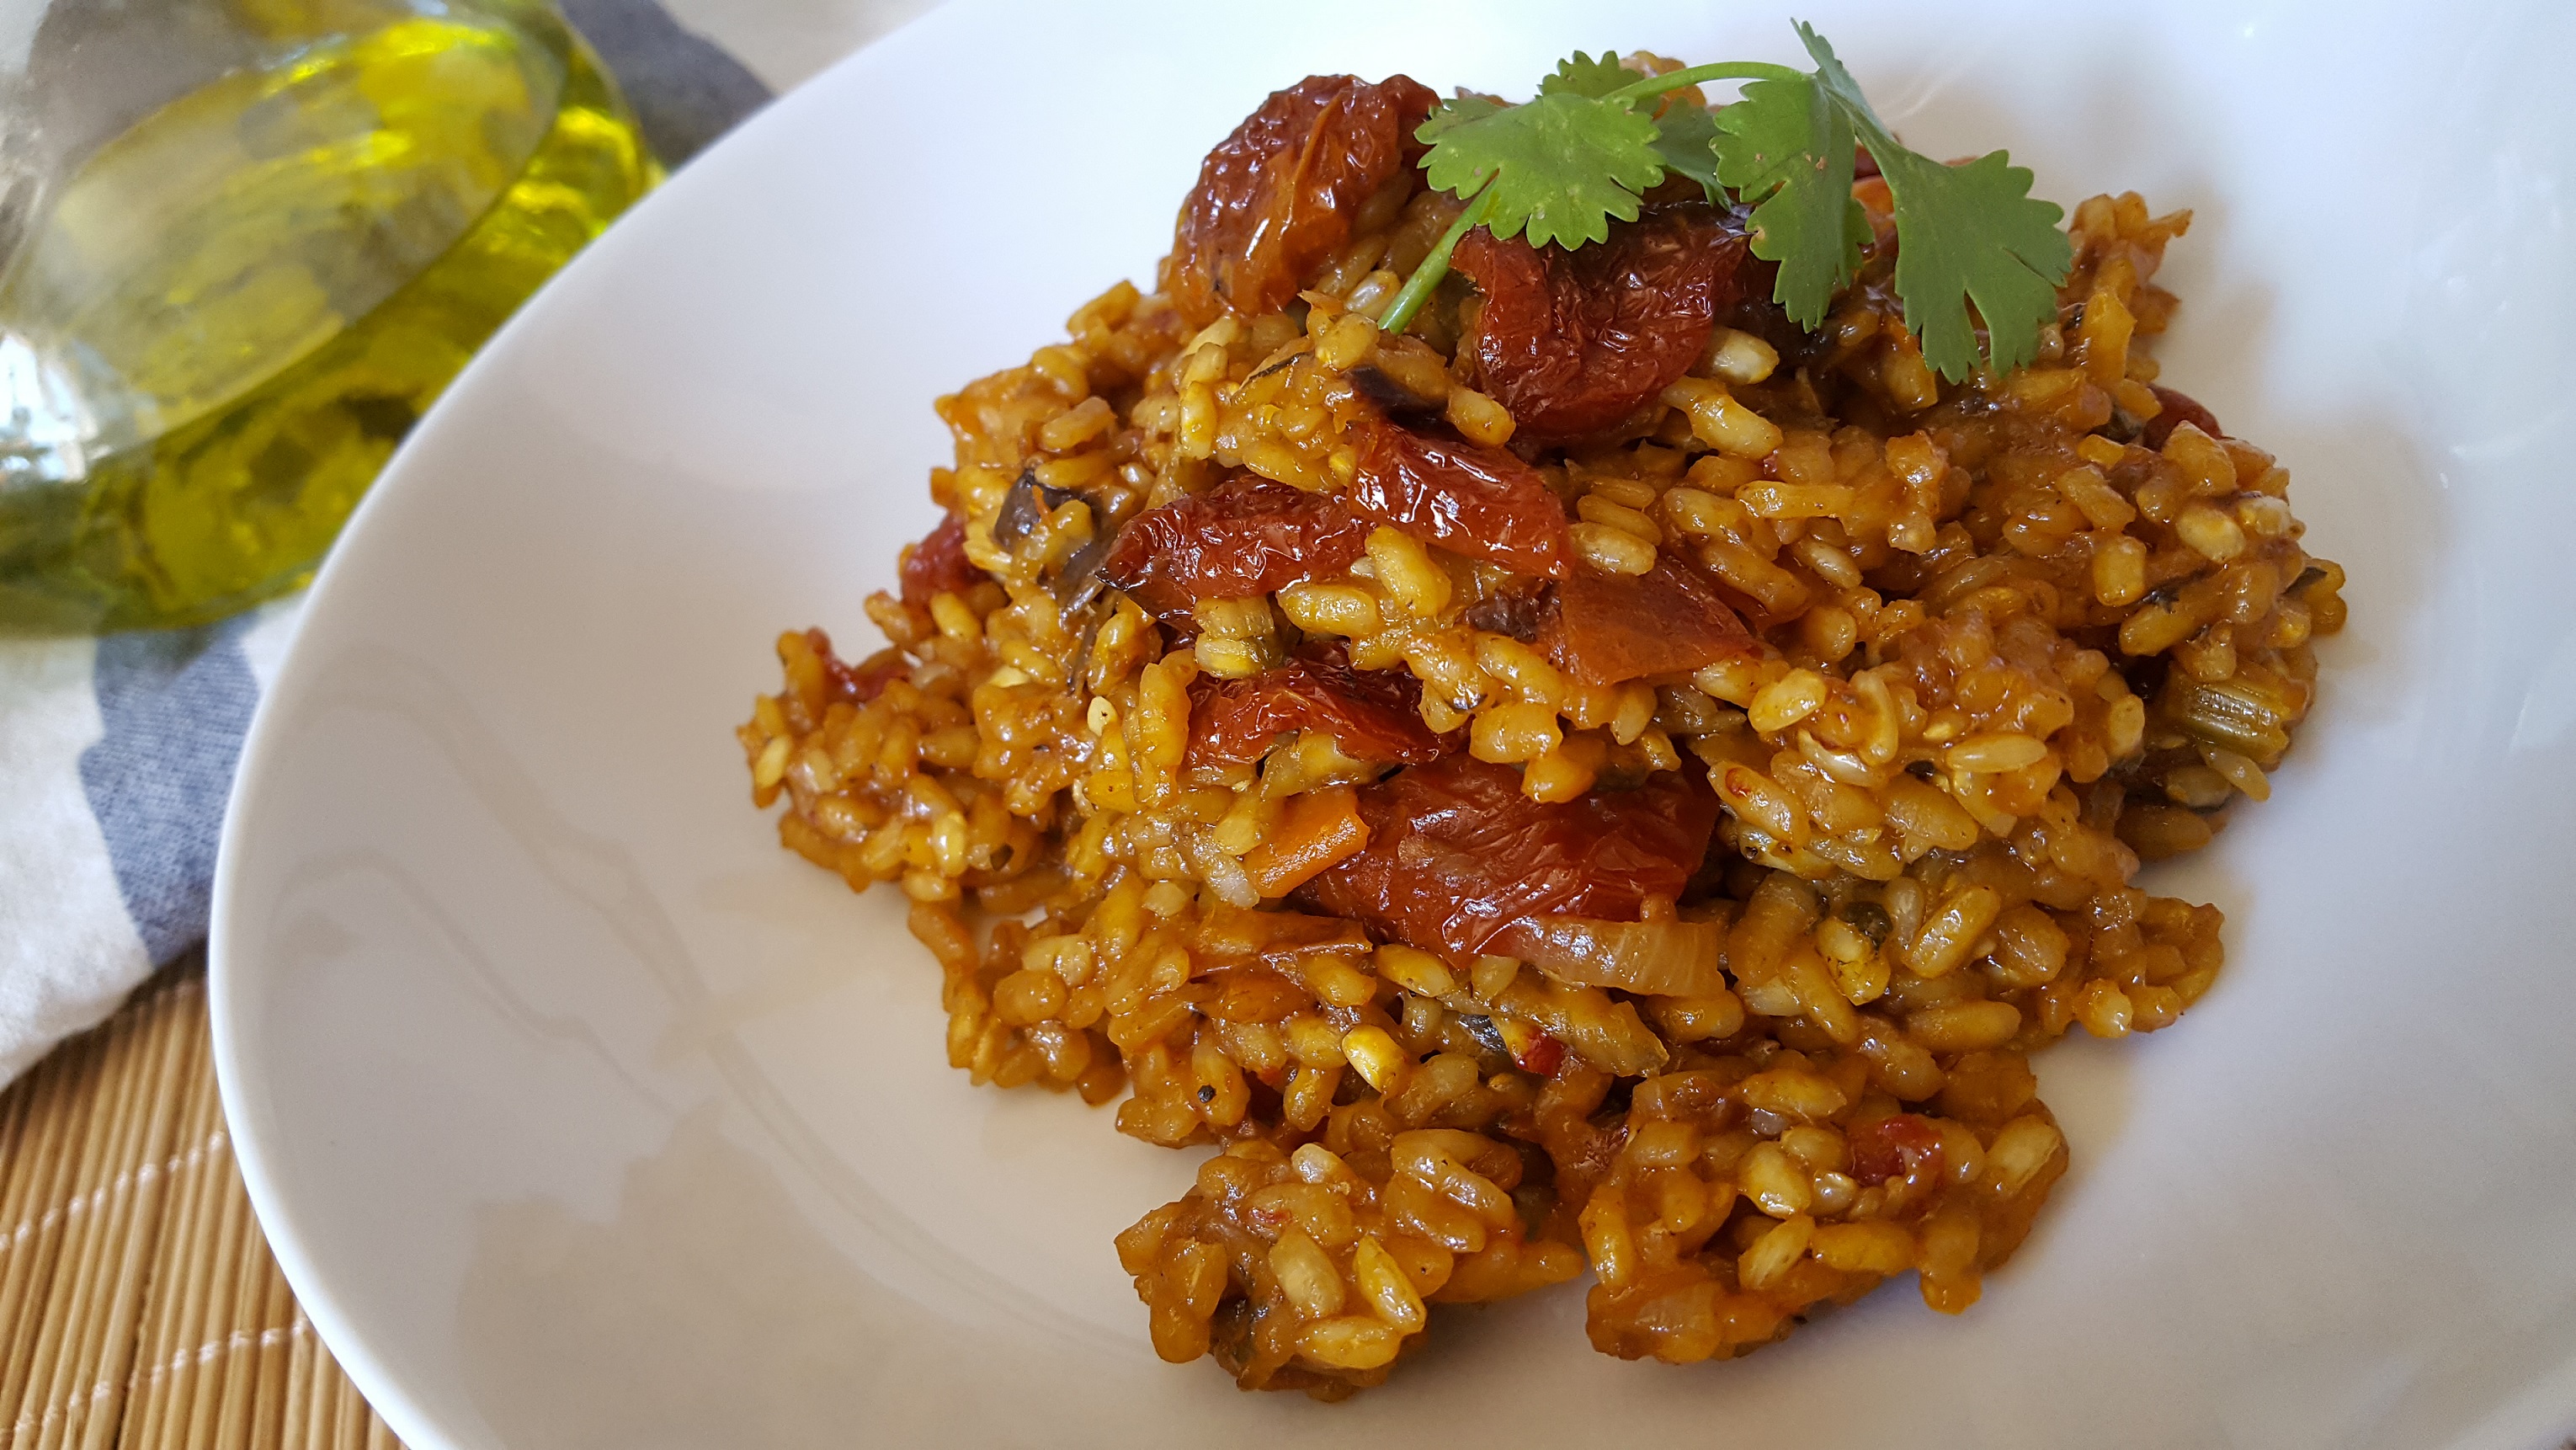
point(1656, 958)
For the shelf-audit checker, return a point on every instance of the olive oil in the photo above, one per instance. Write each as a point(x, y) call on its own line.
point(235, 310)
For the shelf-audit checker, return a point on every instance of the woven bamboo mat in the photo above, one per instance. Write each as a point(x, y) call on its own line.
point(139, 1304)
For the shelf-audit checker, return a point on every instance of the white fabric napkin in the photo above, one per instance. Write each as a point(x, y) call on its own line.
point(115, 755)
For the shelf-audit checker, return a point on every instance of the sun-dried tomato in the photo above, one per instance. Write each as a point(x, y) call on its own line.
point(1760, 314)
point(1484, 503)
point(1276, 198)
point(2179, 408)
point(1456, 853)
point(1373, 715)
point(1894, 1147)
point(938, 565)
point(1573, 342)
point(1518, 612)
point(857, 683)
point(1668, 620)
point(1244, 537)
point(1542, 1056)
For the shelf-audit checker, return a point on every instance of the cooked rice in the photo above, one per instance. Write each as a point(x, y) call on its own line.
point(2007, 651)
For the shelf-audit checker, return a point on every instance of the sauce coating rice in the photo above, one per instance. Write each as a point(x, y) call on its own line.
point(1607, 782)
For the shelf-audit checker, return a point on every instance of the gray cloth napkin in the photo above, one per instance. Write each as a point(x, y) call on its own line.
point(116, 753)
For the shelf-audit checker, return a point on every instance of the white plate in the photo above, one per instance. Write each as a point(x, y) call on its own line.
point(580, 1114)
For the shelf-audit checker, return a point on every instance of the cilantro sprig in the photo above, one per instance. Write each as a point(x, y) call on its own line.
point(1562, 166)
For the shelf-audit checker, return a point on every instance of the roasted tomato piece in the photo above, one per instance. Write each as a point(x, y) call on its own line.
point(1482, 502)
point(1573, 342)
point(1373, 715)
point(1519, 612)
point(1613, 627)
point(1276, 198)
point(1456, 853)
point(857, 683)
point(938, 564)
point(1894, 1147)
point(2179, 408)
point(1244, 537)
point(1542, 1056)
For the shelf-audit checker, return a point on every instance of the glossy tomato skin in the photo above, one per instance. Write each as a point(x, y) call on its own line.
point(938, 565)
point(1372, 715)
point(1520, 612)
point(1276, 198)
point(1483, 503)
point(1574, 343)
point(857, 683)
point(1456, 853)
point(2179, 408)
point(1612, 627)
point(1901, 1146)
point(1245, 537)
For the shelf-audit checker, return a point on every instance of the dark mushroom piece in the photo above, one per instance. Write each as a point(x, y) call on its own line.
point(1404, 376)
point(1026, 504)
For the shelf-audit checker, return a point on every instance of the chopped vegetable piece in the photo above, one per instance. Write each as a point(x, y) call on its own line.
point(857, 683)
point(2179, 408)
point(1612, 627)
point(1573, 343)
point(1528, 1045)
point(1456, 853)
point(1372, 715)
point(1484, 503)
point(1024, 506)
point(1667, 958)
point(938, 564)
point(1277, 196)
point(1318, 829)
point(1404, 376)
point(1903, 1146)
point(1378, 387)
point(1244, 537)
point(1279, 938)
point(1521, 613)
point(1542, 1054)
point(1079, 581)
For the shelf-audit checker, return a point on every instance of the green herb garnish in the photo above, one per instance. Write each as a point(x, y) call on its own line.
point(1561, 167)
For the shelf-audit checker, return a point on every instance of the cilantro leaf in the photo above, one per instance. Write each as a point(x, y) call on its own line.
point(1970, 233)
point(1583, 75)
point(1561, 166)
point(1684, 133)
point(1456, 111)
point(1836, 81)
point(1974, 233)
point(1686, 140)
point(1788, 144)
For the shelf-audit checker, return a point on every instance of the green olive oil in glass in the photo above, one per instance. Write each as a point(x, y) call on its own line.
point(228, 315)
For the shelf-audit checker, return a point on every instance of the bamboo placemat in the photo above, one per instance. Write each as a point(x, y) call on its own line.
point(139, 1304)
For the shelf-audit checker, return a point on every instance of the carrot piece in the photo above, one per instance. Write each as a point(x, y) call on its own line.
point(1318, 829)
